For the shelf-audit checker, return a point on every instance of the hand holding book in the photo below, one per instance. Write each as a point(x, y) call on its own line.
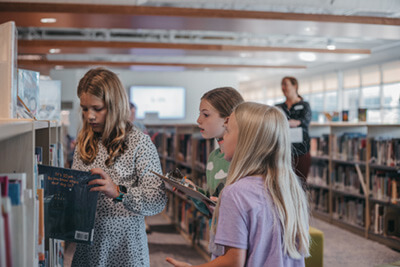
point(104, 185)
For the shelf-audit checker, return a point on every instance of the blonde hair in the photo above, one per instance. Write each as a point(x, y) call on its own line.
point(223, 99)
point(106, 86)
point(263, 148)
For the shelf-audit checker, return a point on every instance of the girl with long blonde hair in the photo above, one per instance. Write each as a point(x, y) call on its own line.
point(262, 215)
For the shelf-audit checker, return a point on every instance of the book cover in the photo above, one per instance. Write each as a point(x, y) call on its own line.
point(186, 190)
point(69, 206)
point(362, 114)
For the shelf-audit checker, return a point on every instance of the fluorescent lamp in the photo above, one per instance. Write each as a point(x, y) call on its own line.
point(55, 50)
point(48, 20)
point(307, 56)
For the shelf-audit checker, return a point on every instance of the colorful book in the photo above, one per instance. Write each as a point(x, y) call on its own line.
point(69, 206)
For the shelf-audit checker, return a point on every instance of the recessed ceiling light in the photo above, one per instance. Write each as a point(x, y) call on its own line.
point(55, 50)
point(307, 56)
point(244, 54)
point(48, 20)
point(330, 45)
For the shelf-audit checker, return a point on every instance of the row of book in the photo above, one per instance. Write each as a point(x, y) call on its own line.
point(319, 174)
point(385, 220)
point(346, 178)
point(18, 212)
point(191, 221)
point(385, 151)
point(385, 186)
point(353, 147)
point(349, 146)
point(349, 210)
point(22, 221)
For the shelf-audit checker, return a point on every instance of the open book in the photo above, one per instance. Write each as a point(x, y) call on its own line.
point(186, 190)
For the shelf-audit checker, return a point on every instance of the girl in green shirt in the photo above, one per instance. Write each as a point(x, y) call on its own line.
point(215, 108)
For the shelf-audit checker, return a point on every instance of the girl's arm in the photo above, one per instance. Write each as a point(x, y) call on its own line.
point(148, 196)
point(233, 257)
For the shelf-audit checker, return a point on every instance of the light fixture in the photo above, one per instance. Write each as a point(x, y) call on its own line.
point(48, 20)
point(55, 50)
point(244, 54)
point(307, 56)
point(330, 45)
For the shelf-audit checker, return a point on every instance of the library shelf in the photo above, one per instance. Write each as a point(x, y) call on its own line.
point(390, 241)
point(348, 162)
point(18, 140)
point(182, 146)
point(348, 193)
point(373, 146)
point(384, 167)
point(320, 158)
point(386, 202)
point(321, 215)
point(357, 229)
point(325, 187)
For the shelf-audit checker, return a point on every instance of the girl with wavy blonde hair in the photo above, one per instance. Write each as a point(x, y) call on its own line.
point(262, 215)
point(104, 85)
point(123, 156)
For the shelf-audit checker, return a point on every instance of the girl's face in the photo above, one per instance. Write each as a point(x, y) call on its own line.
point(94, 111)
point(210, 123)
point(288, 89)
point(230, 137)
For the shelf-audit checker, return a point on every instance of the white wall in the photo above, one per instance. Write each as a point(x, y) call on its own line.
point(195, 82)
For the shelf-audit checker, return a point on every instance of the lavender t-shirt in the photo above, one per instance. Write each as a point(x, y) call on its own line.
point(248, 220)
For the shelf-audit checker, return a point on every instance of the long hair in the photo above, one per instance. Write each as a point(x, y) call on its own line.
point(105, 85)
point(263, 148)
point(223, 99)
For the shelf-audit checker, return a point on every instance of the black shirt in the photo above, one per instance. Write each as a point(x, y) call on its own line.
point(300, 111)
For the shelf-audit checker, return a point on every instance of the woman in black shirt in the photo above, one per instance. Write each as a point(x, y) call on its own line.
point(298, 113)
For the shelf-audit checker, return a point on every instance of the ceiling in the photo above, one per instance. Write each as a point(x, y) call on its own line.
point(243, 36)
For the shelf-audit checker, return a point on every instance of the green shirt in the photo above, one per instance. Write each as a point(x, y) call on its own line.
point(216, 172)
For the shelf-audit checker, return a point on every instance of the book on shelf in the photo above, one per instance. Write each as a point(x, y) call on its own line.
point(5, 213)
point(69, 206)
point(186, 190)
point(362, 114)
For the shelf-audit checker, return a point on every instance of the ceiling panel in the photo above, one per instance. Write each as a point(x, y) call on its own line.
point(266, 33)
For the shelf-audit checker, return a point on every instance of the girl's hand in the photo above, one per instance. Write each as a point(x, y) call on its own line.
point(106, 185)
point(211, 207)
point(177, 263)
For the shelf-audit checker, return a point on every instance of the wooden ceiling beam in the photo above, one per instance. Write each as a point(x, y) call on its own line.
point(188, 12)
point(25, 44)
point(37, 63)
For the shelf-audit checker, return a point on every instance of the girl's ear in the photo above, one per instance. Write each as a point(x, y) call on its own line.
point(226, 120)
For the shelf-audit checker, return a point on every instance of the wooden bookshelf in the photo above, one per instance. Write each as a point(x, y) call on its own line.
point(346, 173)
point(182, 146)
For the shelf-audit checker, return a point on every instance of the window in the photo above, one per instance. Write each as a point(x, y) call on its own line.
point(391, 115)
point(317, 102)
point(331, 103)
point(351, 102)
point(279, 100)
point(391, 95)
point(370, 97)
